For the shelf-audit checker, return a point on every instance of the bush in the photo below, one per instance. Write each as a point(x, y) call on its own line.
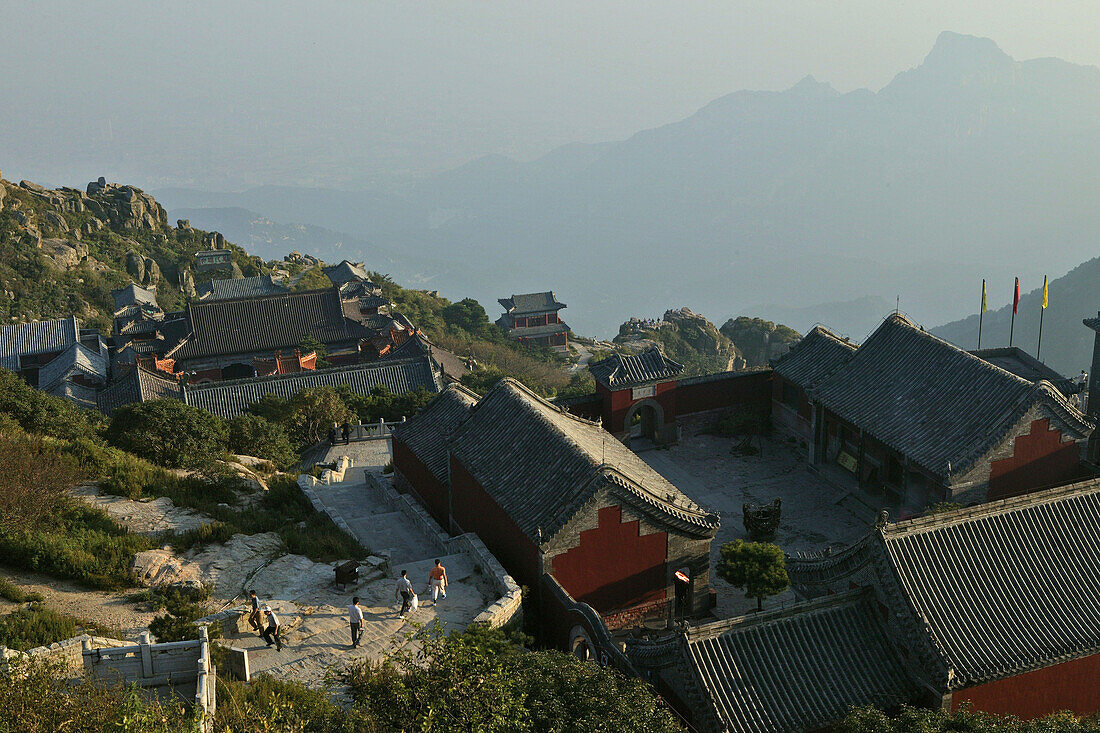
point(41, 697)
point(252, 435)
point(38, 412)
point(167, 432)
point(15, 594)
point(871, 720)
point(34, 475)
point(482, 680)
point(78, 542)
point(36, 625)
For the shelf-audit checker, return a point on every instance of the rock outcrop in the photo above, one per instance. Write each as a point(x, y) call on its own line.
point(759, 341)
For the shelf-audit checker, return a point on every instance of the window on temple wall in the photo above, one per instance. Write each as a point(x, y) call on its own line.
point(553, 318)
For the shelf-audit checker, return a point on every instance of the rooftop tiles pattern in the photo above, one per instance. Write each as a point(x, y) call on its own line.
point(531, 303)
point(931, 401)
point(243, 287)
point(38, 337)
point(620, 371)
point(540, 464)
point(818, 355)
point(797, 668)
point(426, 434)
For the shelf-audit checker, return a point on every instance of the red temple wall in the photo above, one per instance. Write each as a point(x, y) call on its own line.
point(614, 567)
point(743, 390)
point(475, 511)
point(1039, 458)
point(1073, 685)
point(431, 493)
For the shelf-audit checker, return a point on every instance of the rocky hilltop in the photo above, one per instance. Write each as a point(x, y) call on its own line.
point(63, 250)
point(759, 341)
point(702, 347)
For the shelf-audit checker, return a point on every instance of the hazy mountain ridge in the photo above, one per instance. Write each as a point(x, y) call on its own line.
point(965, 167)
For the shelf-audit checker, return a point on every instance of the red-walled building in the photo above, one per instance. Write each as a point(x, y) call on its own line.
point(920, 420)
point(996, 607)
point(550, 492)
point(421, 455)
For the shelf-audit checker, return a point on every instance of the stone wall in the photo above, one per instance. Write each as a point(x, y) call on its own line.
point(68, 652)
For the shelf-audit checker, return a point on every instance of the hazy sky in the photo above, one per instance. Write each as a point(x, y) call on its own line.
point(359, 93)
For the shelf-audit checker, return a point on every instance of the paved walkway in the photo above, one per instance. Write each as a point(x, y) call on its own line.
point(318, 636)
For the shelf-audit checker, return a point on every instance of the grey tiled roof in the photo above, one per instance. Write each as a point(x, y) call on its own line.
point(548, 329)
point(818, 355)
point(1093, 323)
point(136, 385)
point(797, 668)
point(345, 272)
point(619, 371)
point(540, 464)
point(531, 303)
point(265, 323)
point(230, 399)
point(133, 295)
point(930, 400)
point(77, 358)
point(243, 287)
point(1006, 587)
point(1016, 360)
point(986, 592)
point(426, 433)
point(38, 337)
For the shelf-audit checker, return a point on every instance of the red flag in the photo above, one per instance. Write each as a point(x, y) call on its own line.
point(1016, 296)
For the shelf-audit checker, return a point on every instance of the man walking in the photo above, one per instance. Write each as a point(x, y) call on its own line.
point(437, 579)
point(355, 618)
point(405, 591)
point(271, 633)
point(254, 619)
point(345, 432)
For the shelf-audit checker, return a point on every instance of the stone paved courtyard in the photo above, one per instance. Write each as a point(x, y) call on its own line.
point(318, 637)
point(814, 512)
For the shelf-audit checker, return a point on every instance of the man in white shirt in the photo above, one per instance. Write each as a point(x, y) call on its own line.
point(271, 632)
point(405, 592)
point(355, 618)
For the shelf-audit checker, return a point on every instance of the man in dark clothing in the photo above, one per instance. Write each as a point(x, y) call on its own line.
point(254, 618)
point(405, 591)
point(355, 618)
point(345, 432)
point(332, 436)
point(271, 633)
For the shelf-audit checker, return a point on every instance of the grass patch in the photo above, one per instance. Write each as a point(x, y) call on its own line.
point(77, 542)
point(15, 594)
point(37, 625)
point(283, 510)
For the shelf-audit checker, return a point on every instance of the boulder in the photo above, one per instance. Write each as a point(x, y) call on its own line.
point(3, 194)
point(135, 266)
point(183, 224)
point(187, 282)
point(152, 274)
point(64, 254)
point(161, 568)
point(96, 186)
point(57, 221)
point(31, 186)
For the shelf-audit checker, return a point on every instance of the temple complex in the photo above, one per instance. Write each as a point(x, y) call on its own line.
point(533, 319)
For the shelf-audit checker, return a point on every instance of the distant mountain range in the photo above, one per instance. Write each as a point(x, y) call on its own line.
point(970, 165)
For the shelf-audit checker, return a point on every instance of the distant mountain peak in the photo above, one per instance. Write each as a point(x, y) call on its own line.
point(961, 56)
point(808, 86)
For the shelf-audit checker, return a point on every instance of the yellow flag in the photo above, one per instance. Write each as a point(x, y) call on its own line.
point(983, 296)
point(1044, 291)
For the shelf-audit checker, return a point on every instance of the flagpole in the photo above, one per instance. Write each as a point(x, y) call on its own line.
point(1015, 303)
point(981, 315)
point(1042, 312)
point(1039, 348)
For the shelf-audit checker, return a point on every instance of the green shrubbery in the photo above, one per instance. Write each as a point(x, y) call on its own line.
point(910, 720)
point(167, 432)
point(38, 412)
point(12, 592)
point(76, 542)
point(36, 625)
point(252, 435)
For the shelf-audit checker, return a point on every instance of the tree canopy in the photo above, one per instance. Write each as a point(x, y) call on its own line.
point(757, 567)
point(167, 432)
